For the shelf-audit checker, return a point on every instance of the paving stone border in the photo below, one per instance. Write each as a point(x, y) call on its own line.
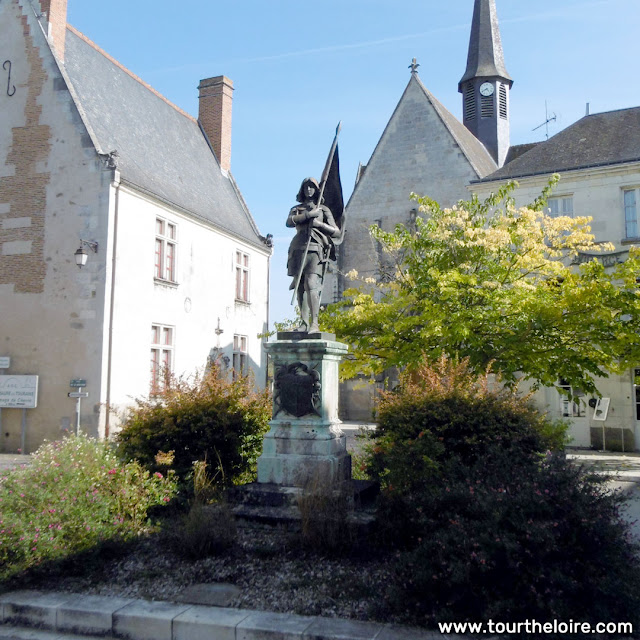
point(55, 616)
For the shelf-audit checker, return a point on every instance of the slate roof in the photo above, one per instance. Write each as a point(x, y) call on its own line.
point(485, 57)
point(516, 150)
point(161, 149)
point(477, 154)
point(596, 140)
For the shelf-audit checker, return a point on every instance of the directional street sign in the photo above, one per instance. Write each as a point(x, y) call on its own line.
point(78, 394)
point(79, 382)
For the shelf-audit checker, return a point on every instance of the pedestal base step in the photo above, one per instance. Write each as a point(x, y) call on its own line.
point(271, 504)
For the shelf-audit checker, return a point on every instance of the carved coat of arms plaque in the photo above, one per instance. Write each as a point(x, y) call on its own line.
point(296, 390)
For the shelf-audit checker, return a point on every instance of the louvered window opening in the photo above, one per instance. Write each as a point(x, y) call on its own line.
point(470, 103)
point(486, 106)
point(503, 101)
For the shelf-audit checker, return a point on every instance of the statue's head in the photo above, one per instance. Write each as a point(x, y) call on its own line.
point(305, 192)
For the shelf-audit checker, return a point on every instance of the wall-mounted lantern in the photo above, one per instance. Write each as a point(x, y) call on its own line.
point(81, 254)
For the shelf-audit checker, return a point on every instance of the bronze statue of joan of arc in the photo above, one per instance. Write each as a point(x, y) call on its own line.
point(310, 251)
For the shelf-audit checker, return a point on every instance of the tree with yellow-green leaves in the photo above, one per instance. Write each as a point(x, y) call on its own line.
point(495, 284)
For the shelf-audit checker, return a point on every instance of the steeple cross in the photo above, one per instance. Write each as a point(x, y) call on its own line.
point(414, 66)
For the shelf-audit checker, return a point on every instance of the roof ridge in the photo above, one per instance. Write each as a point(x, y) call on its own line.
point(128, 72)
point(601, 113)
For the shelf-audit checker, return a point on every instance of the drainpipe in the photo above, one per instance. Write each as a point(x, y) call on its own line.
point(116, 184)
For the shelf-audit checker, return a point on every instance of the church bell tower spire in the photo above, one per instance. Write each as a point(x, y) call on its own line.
point(486, 84)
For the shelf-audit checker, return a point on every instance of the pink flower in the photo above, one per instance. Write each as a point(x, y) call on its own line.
point(112, 471)
point(157, 474)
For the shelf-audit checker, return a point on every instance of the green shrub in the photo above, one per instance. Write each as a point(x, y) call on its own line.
point(212, 419)
point(74, 495)
point(488, 523)
point(445, 410)
point(538, 541)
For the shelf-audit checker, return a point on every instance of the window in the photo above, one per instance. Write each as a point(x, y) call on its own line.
point(470, 102)
point(242, 276)
point(631, 213)
point(161, 357)
point(239, 355)
point(503, 101)
point(486, 106)
point(165, 262)
point(560, 206)
point(570, 404)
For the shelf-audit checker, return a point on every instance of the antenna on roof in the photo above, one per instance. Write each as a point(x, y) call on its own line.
point(548, 119)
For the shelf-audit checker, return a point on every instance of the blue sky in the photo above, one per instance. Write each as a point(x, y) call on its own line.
point(299, 67)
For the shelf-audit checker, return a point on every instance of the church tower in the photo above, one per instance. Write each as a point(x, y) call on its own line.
point(485, 85)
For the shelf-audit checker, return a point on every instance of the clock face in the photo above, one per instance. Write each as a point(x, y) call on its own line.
point(486, 89)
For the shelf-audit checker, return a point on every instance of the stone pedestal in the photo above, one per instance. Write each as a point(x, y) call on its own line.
point(305, 443)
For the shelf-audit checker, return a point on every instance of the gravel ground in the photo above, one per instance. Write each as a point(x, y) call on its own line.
point(268, 565)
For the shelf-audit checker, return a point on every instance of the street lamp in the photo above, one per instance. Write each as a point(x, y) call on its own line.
point(81, 254)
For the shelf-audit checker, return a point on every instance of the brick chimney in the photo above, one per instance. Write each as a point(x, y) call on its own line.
point(56, 17)
point(214, 115)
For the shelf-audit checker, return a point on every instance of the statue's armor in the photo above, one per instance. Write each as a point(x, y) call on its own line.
point(321, 247)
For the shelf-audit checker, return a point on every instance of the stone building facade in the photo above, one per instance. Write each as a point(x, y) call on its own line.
point(426, 150)
point(93, 158)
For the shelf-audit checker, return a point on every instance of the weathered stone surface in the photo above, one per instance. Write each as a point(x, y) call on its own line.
point(32, 608)
point(144, 620)
point(271, 626)
point(299, 449)
point(217, 594)
point(91, 615)
point(338, 629)
point(205, 623)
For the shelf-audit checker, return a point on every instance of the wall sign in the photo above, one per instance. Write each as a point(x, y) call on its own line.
point(11, 89)
point(18, 392)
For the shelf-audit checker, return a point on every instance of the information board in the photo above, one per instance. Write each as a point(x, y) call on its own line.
point(18, 392)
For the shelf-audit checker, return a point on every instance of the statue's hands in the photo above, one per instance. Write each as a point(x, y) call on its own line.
point(315, 214)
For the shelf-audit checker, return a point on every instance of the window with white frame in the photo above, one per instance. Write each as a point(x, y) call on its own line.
point(571, 405)
point(166, 243)
point(162, 345)
point(240, 356)
point(631, 228)
point(560, 206)
point(242, 276)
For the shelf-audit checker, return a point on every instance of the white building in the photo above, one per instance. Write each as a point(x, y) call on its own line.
point(598, 159)
point(176, 272)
